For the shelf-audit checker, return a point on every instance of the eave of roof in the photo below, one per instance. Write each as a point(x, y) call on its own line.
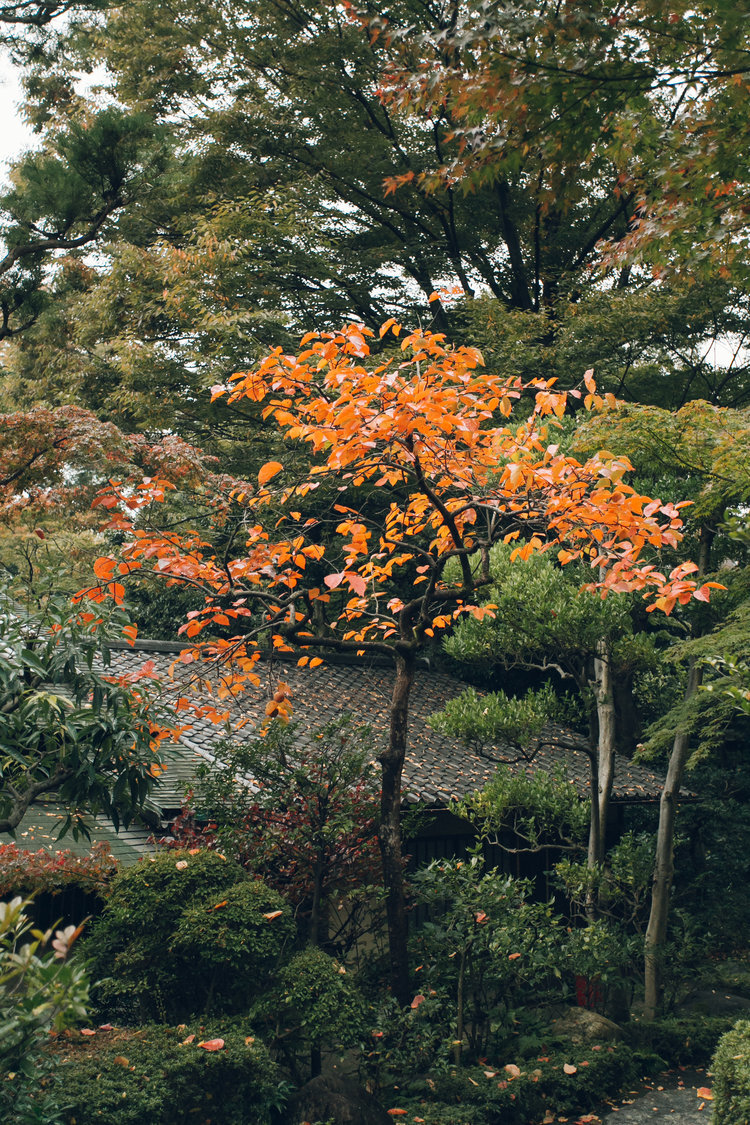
point(437, 769)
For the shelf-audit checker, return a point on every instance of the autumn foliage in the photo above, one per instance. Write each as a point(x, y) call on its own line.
point(421, 423)
point(416, 462)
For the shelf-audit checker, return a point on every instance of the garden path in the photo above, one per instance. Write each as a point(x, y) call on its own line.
point(670, 1097)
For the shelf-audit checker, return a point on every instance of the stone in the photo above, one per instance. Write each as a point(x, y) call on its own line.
point(335, 1101)
point(580, 1025)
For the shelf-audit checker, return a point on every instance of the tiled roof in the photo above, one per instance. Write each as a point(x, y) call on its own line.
point(41, 824)
point(437, 769)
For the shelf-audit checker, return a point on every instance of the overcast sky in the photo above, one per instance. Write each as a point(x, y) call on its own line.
point(15, 136)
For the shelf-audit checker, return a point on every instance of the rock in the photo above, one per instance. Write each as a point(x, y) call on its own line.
point(580, 1025)
point(338, 1101)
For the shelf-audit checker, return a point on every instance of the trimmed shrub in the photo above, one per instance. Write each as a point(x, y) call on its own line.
point(679, 1040)
point(183, 934)
point(164, 1076)
point(731, 1071)
point(319, 1000)
point(237, 939)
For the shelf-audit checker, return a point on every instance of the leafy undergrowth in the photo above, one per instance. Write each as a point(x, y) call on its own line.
point(563, 1083)
point(185, 1075)
point(179, 1075)
point(570, 1084)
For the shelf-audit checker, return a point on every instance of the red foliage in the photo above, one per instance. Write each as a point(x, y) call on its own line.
point(27, 872)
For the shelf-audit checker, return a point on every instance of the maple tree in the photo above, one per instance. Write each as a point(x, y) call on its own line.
point(649, 100)
point(53, 457)
point(423, 426)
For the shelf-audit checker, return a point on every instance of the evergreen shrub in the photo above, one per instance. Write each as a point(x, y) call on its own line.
point(163, 1076)
point(184, 934)
point(731, 1071)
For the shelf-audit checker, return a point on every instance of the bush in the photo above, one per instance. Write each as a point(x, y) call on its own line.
point(236, 941)
point(182, 934)
point(320, 1001)
point(485, 950)
point(679, 1040)
point(731, 1070)
point(518, 1095)
point(64, 886)
point(163, 1076)
point(40, 991)
point(30, 873)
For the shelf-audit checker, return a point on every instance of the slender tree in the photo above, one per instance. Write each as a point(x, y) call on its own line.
point(418, 427)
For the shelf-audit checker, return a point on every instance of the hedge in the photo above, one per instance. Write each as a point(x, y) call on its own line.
point(169, 1076)
point(731, 1077)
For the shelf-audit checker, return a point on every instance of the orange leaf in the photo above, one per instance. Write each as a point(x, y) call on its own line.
point(104, 567)
point(211, 1044)
point(120, 1060)
point(315, 662)
point(272, 914)
point(357, 583)
point(87, 1031)
point(269, 470)
point(705, 1092)
point(513, 956)
point(419, 999)
point(570, 1069)
point(131, 632)
point(220, 904)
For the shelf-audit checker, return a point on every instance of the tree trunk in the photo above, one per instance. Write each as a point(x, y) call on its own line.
point(389, 831)
point(605, 712)
point(656, 931)
point(593, 756)
point(314, 935)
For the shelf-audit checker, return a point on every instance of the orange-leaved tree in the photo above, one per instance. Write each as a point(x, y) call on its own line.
point(415, 461)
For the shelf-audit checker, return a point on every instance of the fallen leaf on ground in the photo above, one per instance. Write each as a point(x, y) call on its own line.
point(705, 1092)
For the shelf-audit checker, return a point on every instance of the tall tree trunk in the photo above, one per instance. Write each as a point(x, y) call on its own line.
point(656, 931)
point(606, 753)
point(389, 831)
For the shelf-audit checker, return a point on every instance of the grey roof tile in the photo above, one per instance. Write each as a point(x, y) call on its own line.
point(437, 769)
